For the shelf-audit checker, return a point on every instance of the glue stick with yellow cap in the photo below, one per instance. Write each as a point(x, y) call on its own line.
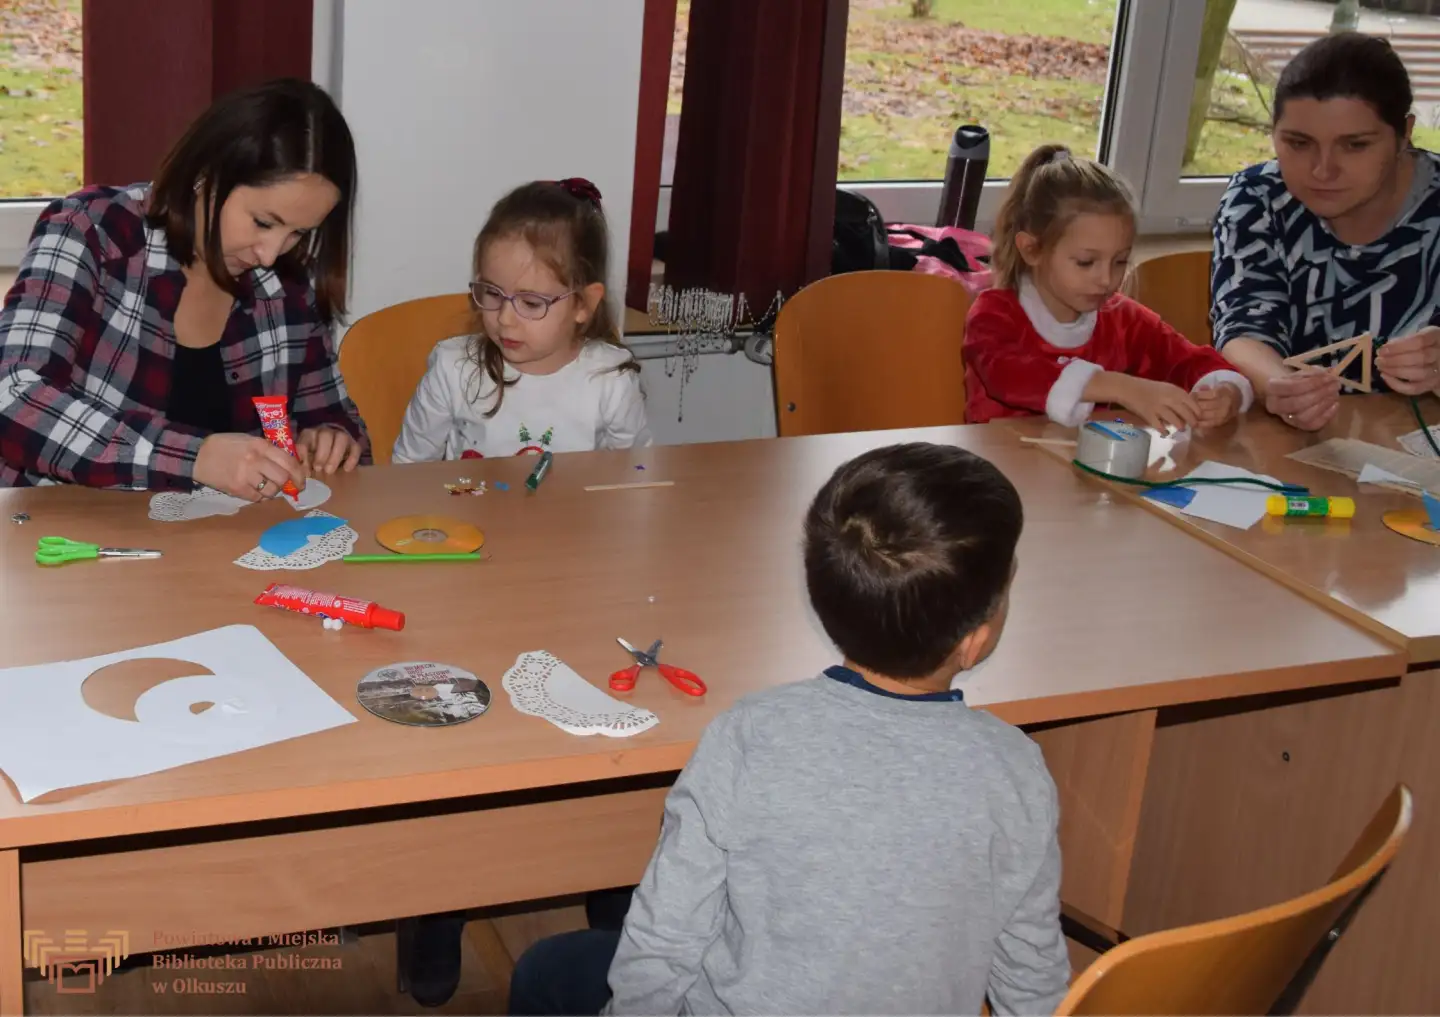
point(1305, 505)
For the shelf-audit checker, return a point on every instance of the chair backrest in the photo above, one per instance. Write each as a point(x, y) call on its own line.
point(382, 359)
point(1248, 963)
point(866, 351)
point(1177, 287)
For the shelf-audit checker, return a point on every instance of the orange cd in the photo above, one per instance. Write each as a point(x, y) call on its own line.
point(429, 535)
point(1412, 523)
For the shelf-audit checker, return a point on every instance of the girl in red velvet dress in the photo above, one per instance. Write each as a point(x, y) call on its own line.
point(1055, 337)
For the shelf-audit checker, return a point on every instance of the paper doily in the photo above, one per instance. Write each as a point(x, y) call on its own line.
point(331, 546)
point(541, 685)
point(175, 507)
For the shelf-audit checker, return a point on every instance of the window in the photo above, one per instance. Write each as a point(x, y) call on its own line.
point(1080, 72)
point(1257, 42)
point(41, 135)
point(1033, 72)
point(1030, 72)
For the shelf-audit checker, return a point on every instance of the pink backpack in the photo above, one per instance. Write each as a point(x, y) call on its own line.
point(942, 250)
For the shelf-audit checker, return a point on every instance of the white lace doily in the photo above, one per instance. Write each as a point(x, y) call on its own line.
point(176, 507)
point(541, 685)
point(330, 546)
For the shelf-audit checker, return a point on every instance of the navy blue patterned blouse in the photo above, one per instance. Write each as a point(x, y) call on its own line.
point(1279, 275)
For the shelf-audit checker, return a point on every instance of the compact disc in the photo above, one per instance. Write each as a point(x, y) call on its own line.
point(429, 535)
point(1412, 523)
point(423, 693)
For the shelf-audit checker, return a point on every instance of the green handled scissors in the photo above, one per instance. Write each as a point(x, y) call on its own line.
point(59, 550)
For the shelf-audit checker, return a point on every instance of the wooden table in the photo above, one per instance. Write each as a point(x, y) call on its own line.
point(1272, 774)
point(1115, 615)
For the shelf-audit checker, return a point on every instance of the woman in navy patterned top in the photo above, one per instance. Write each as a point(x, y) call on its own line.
point(1337, 237)
point(145, 319)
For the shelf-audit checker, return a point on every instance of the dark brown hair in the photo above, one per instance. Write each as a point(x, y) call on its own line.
point(908, 550)
point(1349, 65)
point(564, 225)
point(1050, 189)
point(251, 138)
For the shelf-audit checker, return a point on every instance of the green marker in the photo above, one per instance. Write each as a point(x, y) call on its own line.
point(538, 474)
point(476, 556)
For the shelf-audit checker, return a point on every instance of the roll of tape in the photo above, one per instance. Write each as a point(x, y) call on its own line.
point(1115, 448)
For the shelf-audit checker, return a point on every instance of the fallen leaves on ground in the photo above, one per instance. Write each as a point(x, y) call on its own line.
point(40, 34)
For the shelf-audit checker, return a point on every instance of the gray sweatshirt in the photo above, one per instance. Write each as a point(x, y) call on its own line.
point(835, 849)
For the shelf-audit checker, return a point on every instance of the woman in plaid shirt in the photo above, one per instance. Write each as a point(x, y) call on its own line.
point(144, 319)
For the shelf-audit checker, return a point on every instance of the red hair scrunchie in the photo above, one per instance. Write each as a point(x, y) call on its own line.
point(582, 189)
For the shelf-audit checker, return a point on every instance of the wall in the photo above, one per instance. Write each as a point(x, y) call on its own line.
point(453, 102)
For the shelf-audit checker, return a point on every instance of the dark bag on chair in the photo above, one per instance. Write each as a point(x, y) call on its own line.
point(860, 243)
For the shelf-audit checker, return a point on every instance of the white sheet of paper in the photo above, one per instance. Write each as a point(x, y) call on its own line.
point(50, 738)
point(1372, 474)
point(1241, 507)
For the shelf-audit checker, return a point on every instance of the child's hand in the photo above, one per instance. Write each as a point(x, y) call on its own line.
point(1219, 404)
point(1164, 406)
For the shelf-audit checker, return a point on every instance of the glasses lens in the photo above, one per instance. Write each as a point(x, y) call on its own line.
point(531, 305)
point(487, 297)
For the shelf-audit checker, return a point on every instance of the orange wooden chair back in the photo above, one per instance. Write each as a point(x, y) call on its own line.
point(1244, 964)
point(867, 351)
point(382, 359)
point(1177, 287)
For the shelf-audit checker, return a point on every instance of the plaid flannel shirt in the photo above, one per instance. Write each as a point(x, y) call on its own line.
point(87, 352)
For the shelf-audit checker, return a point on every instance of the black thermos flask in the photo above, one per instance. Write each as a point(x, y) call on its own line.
point(964, 176)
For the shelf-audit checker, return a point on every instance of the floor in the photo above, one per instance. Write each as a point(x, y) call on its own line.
point(357, 978)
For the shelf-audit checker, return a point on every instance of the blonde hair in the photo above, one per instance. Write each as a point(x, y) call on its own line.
point(564, 225)
point(1049, 191)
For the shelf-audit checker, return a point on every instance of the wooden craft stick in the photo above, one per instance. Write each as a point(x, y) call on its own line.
point(637, 485)
point(1362, 346)
point(1059, 442)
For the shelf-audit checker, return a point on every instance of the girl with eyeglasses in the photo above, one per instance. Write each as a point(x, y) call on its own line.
point(545, 368)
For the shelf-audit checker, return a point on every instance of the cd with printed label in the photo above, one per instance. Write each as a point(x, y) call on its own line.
point(1412, 523)
point(423, 693)
point(429, 535)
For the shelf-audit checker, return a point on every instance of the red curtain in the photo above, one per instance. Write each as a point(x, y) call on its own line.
point(150, 66)
point(655, 50)
point(753, 205)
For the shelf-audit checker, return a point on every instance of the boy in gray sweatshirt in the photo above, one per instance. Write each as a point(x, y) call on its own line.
point(861, 842)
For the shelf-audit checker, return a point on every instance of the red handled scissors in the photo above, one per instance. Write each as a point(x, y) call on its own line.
point(624, 681)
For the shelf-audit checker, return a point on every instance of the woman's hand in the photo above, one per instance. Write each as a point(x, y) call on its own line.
point(1163, 406)
point(326, 449)
point(1411, 365)
point(1307, 399)
point(1219, 404)
point(245, 466)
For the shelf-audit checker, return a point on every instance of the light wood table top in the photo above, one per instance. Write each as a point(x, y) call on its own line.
point(1112, 610)
point(1385, 582)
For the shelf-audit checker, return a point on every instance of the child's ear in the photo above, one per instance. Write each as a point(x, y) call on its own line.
point(590, 298)
point(972, 648)
point(1029, 247)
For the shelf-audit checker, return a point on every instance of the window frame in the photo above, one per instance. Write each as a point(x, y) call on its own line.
point(1184, 203)
point(17, 222)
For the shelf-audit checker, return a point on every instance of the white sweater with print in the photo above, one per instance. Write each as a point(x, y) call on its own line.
point(587, 404)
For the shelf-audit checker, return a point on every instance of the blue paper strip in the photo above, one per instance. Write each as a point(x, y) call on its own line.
point(1432, 506)
point(1179, 497)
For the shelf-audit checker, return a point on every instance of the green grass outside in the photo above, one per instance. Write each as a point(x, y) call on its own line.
point(1087, 20)
point(41, 137)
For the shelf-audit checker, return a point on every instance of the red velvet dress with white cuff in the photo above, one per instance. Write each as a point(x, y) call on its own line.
point(1021, 361)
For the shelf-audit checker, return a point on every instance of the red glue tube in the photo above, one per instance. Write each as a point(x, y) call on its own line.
point(327, 605)
point(275, 422)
